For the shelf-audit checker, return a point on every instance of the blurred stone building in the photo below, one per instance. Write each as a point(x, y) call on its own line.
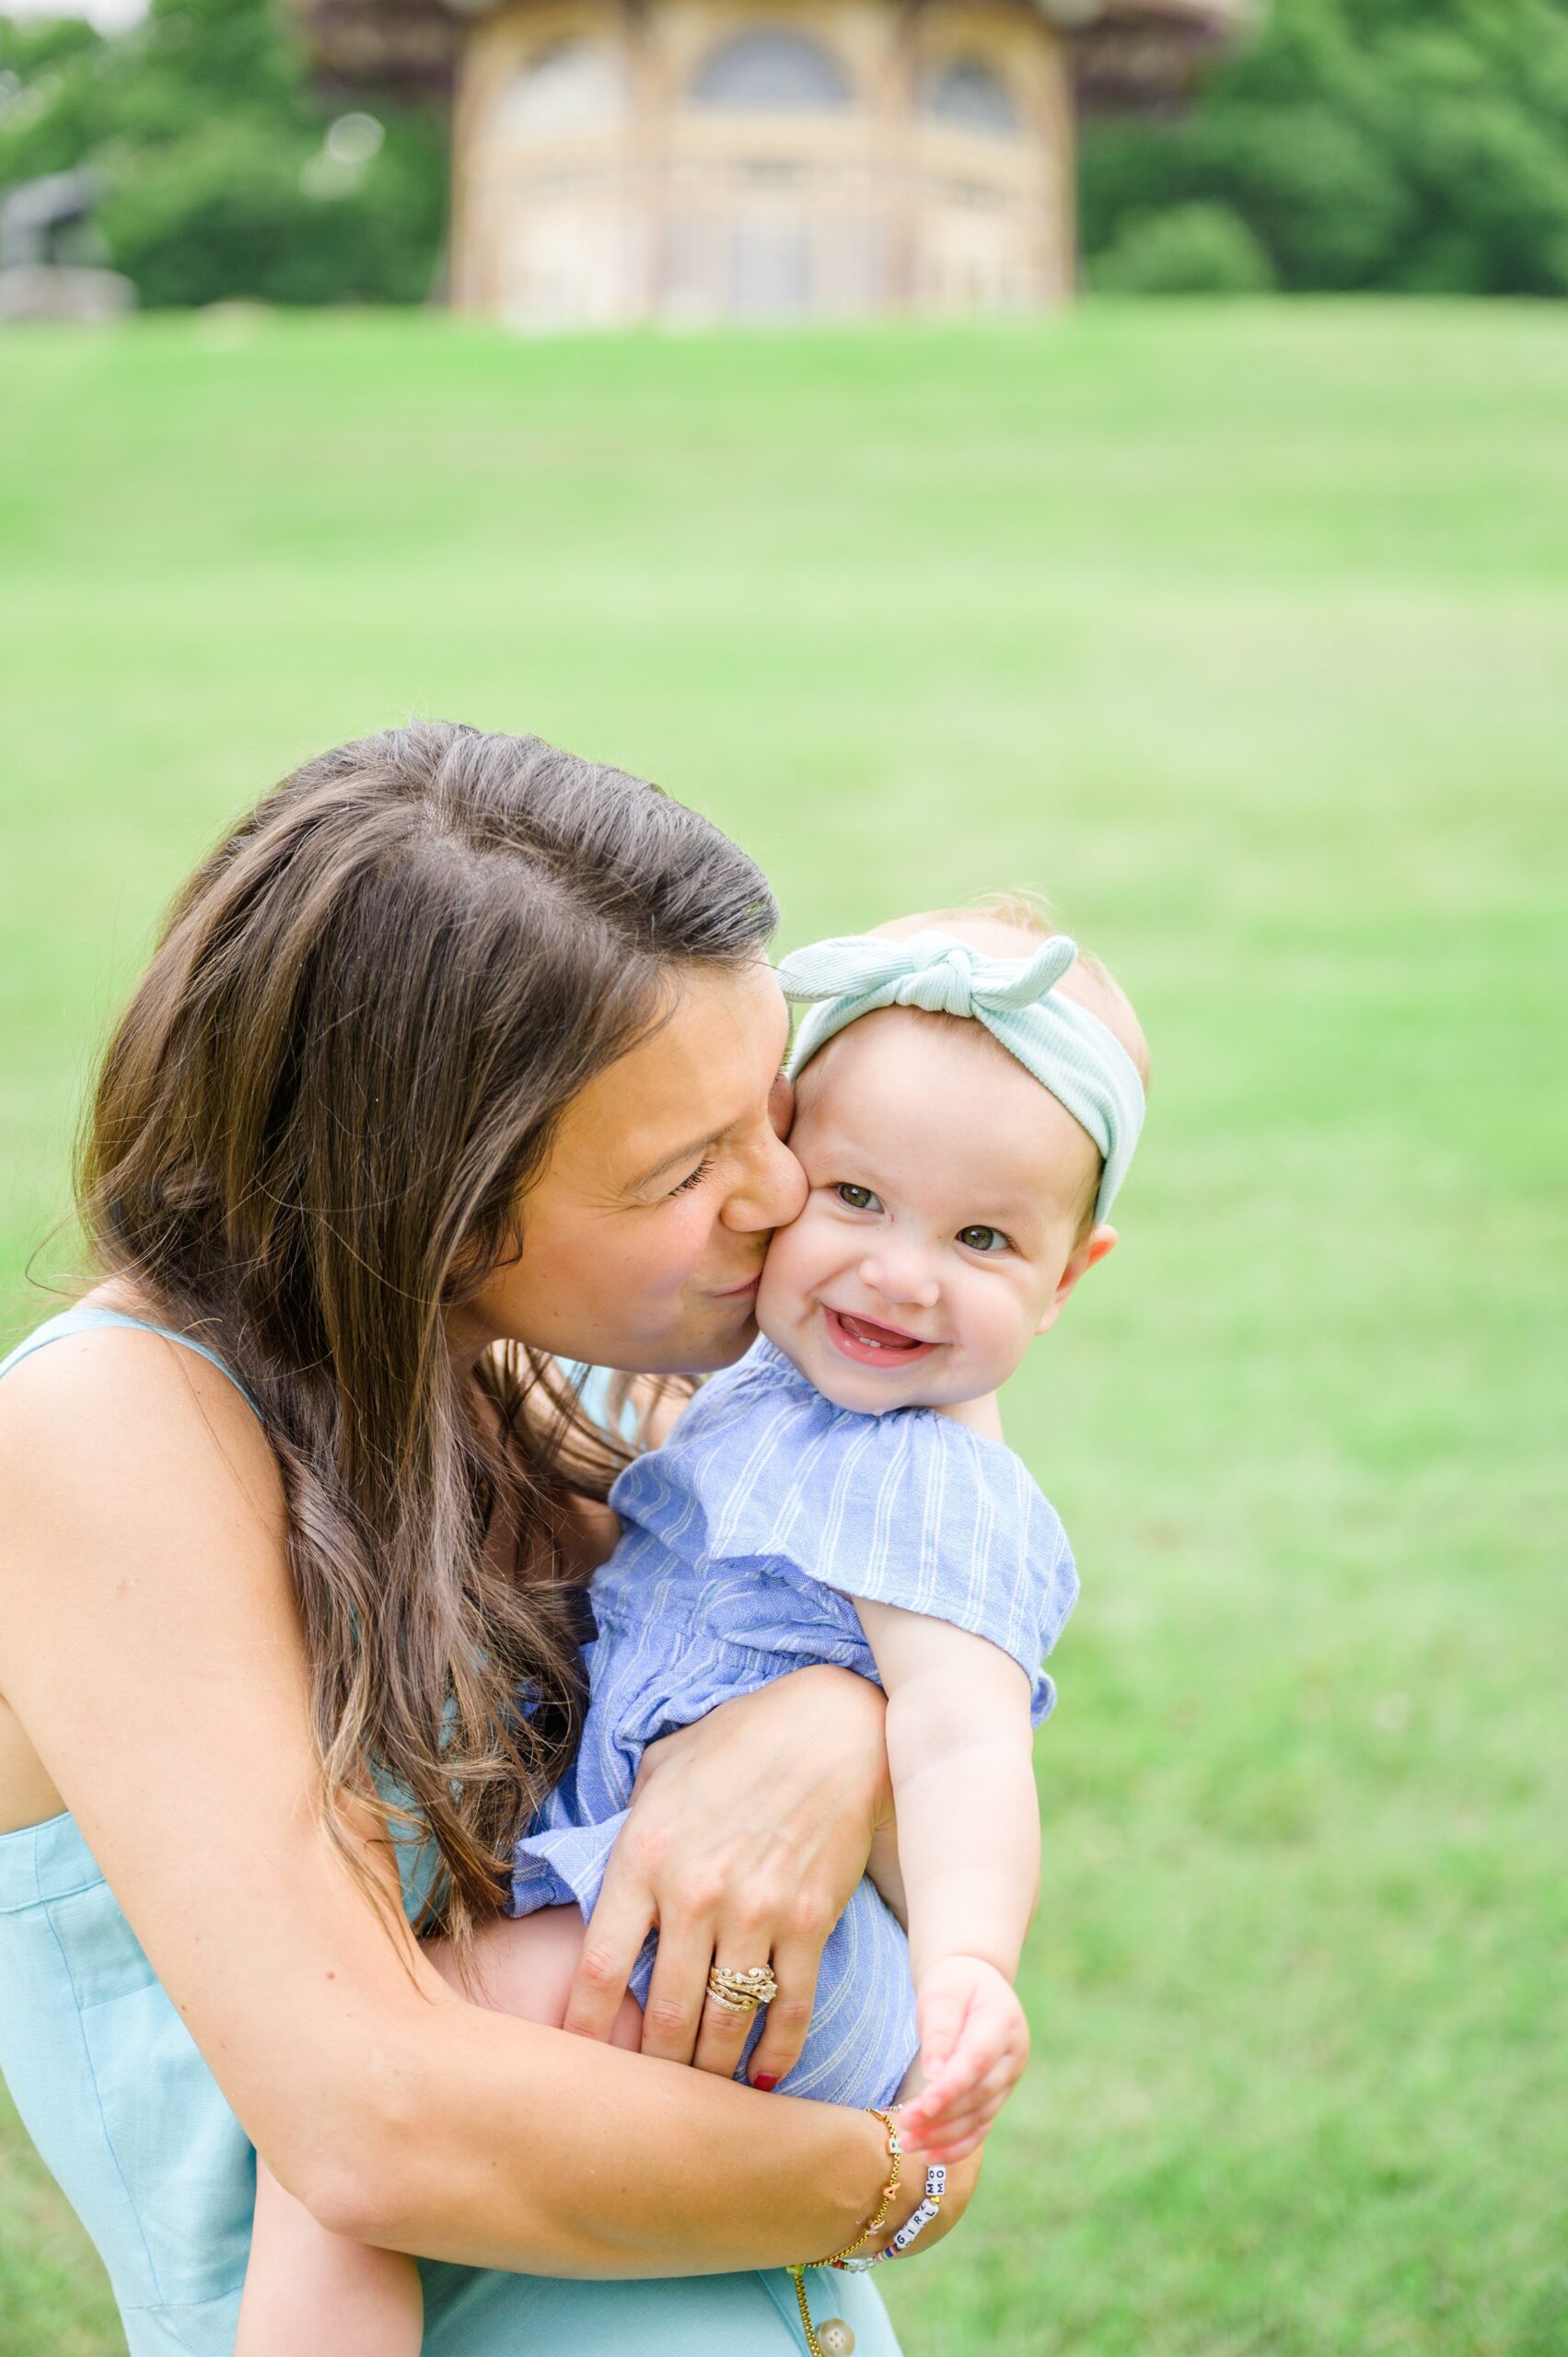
point(703, 160)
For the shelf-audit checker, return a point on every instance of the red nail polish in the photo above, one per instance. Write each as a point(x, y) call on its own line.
point(765, 2082)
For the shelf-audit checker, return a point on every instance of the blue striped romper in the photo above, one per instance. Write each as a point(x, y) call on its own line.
point(745, 1541)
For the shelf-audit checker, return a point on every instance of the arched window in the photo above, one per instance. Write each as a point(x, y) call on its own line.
point(569, 87)
point(967, 93)
point(772, 69)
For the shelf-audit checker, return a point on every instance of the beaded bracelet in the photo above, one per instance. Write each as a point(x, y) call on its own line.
point(912, 2229)
point(835, 2258)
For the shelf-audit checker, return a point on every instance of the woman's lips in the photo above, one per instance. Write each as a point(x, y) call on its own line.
point(868, 1345)
point(734, 1293)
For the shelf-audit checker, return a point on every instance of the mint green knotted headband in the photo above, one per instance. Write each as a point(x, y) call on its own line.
point(1070, 1051)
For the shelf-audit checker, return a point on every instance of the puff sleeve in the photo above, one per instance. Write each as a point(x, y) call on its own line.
point(907, 1508)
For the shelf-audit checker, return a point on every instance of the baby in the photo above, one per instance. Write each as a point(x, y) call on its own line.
point(969, 1093)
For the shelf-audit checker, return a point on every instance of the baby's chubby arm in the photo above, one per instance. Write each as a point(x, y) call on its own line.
point(960, 1753)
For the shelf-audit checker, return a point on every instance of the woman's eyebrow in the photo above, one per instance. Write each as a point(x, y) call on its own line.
point(668, 1161)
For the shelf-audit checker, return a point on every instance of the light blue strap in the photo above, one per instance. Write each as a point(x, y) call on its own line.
point(82, 1319)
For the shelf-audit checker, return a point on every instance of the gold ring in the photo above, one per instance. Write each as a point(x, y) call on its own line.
point(742, 1992)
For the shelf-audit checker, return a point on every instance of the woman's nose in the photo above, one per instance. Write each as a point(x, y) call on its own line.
point(772, 1188)
point(900, 1276)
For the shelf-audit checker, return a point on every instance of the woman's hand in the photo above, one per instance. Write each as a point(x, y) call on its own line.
point(748, 1832)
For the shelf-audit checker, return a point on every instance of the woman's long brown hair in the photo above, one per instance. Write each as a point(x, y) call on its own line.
point(367, 1010)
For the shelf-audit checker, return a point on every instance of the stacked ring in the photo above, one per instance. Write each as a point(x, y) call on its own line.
point(742, 1992)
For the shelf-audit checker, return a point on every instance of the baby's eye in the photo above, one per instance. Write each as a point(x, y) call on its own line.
point(859, 1199)
point(984, 1239)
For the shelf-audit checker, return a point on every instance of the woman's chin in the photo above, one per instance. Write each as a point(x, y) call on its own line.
point(716, 1341)
point(736, 1348)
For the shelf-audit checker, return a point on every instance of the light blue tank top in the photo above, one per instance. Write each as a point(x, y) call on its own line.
point(128, 2118)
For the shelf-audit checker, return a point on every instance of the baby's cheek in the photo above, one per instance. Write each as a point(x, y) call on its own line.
point(1000, 1335)
point(779, 1272)
point(787, 1275)
point(769, 1297)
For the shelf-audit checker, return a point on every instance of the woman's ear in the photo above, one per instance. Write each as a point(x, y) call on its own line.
point(1088, 1250)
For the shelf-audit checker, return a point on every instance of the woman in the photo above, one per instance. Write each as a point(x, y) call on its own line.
point(458, 1055)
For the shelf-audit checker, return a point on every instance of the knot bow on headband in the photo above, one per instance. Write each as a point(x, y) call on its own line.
point(1070, 1051)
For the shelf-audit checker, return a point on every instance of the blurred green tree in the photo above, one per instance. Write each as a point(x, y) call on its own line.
point(228, 173)
point(1183, 250)
point(1416, 144)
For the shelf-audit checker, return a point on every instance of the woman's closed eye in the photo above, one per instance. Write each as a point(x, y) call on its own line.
point(694, 1177)
point(981, 1238)
point(859, 1199)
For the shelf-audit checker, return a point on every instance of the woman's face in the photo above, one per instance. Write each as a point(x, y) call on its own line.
point(643, 1237)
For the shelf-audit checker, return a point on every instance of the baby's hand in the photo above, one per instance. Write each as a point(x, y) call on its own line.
point(974, 2043)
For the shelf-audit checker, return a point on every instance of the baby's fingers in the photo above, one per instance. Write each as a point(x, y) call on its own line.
point(944, 2008)
point(968, 2094)
point(934, 2128)
point(961, 2136)
point(967, 2120)
point(970, 2141)
point(950, 2084)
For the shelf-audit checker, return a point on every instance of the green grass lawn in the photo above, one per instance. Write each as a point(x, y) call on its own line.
point(1243, 631)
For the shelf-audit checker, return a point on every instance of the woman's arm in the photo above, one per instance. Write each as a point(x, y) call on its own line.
point(149, 1647)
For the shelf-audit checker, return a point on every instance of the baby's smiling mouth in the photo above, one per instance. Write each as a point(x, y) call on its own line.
point(870, 1344)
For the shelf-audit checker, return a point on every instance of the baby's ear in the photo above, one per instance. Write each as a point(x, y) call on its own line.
point(1085, 1254)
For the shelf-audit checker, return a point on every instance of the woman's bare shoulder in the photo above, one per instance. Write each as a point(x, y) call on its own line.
point(117, 1417)
point(129, 1465)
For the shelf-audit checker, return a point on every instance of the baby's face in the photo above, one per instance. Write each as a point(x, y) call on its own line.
point(946, 1192)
